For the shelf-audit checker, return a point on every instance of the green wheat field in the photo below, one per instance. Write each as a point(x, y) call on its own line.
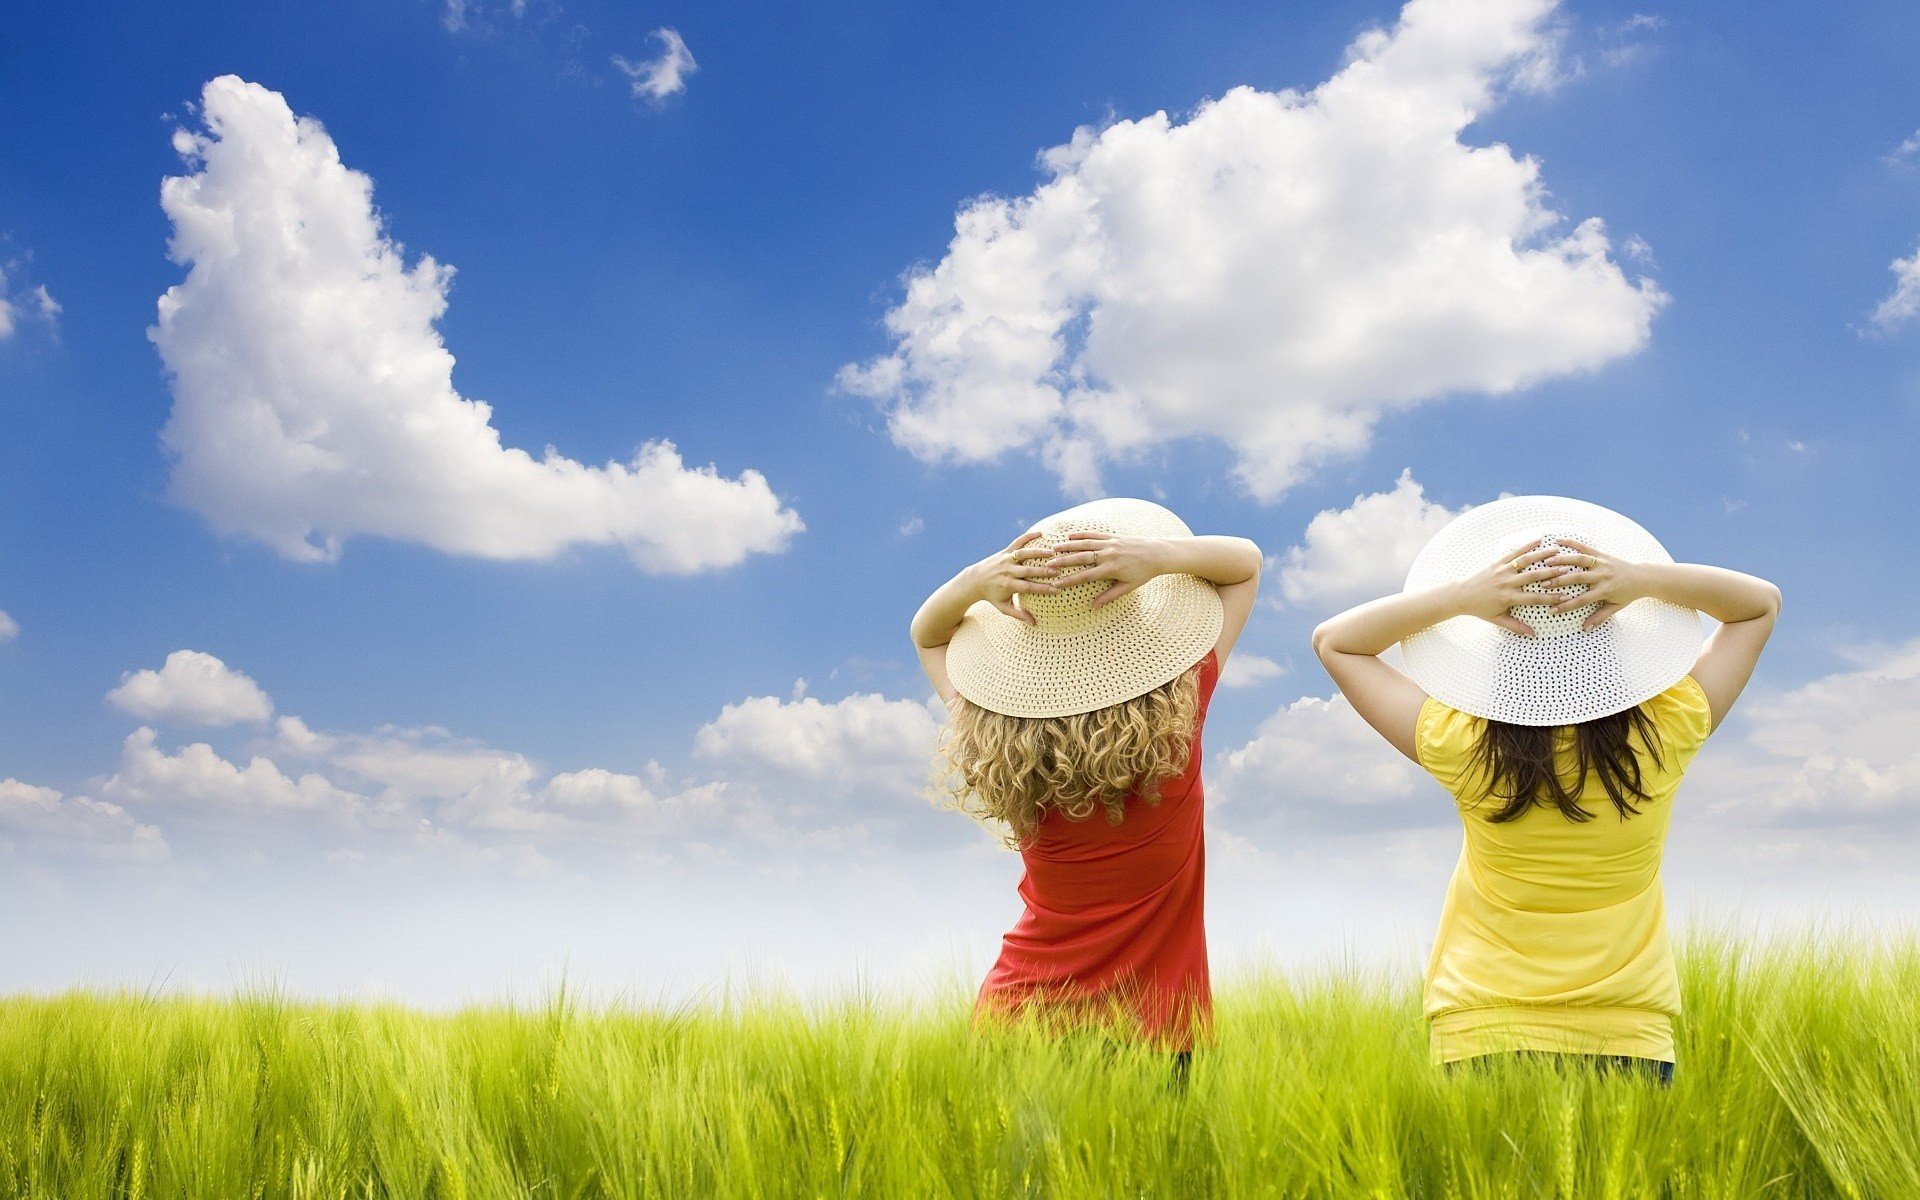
point(1799, 1076)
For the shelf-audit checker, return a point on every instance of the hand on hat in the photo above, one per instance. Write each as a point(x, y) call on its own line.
point(998, 577)
point(1127, 561)
point(1613, 582)
point(1495, 591)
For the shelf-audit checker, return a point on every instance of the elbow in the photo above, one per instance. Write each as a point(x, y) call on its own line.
point(1323, 641)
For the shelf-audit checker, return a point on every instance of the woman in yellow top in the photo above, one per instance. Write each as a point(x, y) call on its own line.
point(1557, 686)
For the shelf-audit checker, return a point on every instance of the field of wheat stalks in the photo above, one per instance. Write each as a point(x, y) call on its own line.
point(1799, 1076)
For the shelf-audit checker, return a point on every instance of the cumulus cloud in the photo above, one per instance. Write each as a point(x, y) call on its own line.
point(1280, 271)
point(191, 688)
point(663, 75)
point(852, 774)
point(42, 822)
point(314, 400)
point(861, 738)
point(1246, 670)
point(9, 628)
point(197, 781)
point(1903, 303)
point(1315, 767)
point(1356, 553)
point(26, 304)
point(1838, 750)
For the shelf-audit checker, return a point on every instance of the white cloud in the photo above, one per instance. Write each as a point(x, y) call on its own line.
point(1315, 767)
point(9, 628)
point(314, 400)
point(1362, 551)
point(1837, 750)
point(191, 688)
point(1903, 303)
point(467, 16)
point(1246, 670)
point(198, 782)
point(864, 737)
point(661, 76)
point(34, 303)
point(1909, 147)
point(41, 821)
point(1279, 271)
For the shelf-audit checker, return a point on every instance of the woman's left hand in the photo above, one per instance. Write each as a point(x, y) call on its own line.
point(1611, 582)
point(1127, 561)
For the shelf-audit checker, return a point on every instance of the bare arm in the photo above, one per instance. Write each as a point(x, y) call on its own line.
point(1349, 645)
point(1745, 606)
point(996, 578)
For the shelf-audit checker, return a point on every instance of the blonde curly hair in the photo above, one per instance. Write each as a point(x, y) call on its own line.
point(1013, 770)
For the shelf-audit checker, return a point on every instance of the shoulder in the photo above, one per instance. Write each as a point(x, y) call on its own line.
point(1682, 714)
point(1444, 739)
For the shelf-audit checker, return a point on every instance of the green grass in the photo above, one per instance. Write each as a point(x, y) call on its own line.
point(1800, 1076)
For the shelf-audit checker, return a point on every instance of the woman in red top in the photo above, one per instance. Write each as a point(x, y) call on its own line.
point(1077, 665)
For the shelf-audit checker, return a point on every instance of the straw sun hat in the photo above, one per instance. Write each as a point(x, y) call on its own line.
point(1564, 674)
point(1075, 658)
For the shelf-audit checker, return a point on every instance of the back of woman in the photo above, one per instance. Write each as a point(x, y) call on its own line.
point(1078, 665)
point(1119, 906)
point(1563, 915)
point(1558, 688)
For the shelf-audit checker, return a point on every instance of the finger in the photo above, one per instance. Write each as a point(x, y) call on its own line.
point(1572, 602)
point(1028, 552)
point(1078, 559)
point(1089, 535)
point(1114, 592)
point(1513, 624)
point(1580, 547)
point(1085, 575)
point(1017, 613)
point(1538, 574)
point(1520, 561)
point(1023, 539)
point(1031, 571)
point(1600, 616)
point(1032, 588)
point(1575, 577)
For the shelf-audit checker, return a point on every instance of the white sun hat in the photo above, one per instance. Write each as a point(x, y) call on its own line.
point(1564, 674)
point(1075, 658)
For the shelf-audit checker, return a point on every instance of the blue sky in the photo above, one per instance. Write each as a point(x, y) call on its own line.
point(701, 267)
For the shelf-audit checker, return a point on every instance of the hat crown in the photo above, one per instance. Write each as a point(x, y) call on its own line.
point(1545, 622)
point(1566, 673)
point(1071, 608)
point(1074, 658)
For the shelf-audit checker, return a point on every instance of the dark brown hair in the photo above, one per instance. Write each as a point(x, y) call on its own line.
point(1521, 770)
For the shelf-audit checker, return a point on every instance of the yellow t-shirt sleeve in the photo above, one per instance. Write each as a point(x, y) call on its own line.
point(1444, 741)
point(1684, 718)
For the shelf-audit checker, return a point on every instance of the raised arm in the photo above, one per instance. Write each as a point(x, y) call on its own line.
point(1349, 645)
point(1231, 564)
point(996, 578)
point(1745, 606)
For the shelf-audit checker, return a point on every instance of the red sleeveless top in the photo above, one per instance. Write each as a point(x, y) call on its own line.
point(1115, 913)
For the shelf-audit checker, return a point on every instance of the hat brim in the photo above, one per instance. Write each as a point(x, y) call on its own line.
point(1154, 634)
point(1566, 674)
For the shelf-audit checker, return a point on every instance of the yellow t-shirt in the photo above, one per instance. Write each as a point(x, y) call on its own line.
point(1554, 934)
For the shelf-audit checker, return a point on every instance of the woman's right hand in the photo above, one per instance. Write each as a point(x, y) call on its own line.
point(998, 577)
point(1496, 590)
